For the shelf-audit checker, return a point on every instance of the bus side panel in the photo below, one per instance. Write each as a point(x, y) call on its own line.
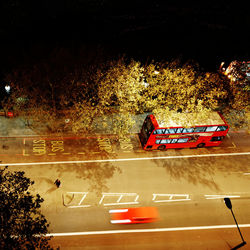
point(202, 139)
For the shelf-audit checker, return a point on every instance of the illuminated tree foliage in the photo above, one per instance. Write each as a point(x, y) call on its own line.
point(115, 90)
point(22, 224)
point(168, 89)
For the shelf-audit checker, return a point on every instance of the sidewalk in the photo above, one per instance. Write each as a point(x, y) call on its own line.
point(17, 127)
point(12, 127)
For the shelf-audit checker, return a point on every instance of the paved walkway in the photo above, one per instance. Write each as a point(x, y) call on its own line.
point(18, 127)
point(11, 127)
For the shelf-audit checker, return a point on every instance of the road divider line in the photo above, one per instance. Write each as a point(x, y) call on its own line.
point(124, 159)
point(151, 230)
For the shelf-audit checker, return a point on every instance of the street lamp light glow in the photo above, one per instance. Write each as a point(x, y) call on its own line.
point(7, 88)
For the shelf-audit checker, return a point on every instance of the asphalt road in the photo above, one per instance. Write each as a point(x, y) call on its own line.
point(102, 173)
point(216, 239)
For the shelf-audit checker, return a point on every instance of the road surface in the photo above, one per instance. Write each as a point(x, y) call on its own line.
point(106, 172)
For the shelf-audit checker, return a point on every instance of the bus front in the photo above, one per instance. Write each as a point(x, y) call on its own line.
point(146, 131)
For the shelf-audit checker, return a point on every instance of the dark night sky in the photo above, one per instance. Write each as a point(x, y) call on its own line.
point(208, 31)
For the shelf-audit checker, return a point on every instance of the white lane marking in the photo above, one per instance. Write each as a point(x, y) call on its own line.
point(125, 159)
point(147, 230)
point(171, 197)
point(220, 196)
point(78, 204)
point(120, 196)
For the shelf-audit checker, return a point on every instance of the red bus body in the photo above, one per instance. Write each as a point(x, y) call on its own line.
point(159, 135)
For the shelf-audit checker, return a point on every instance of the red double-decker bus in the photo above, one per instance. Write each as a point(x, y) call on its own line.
point(165, 133)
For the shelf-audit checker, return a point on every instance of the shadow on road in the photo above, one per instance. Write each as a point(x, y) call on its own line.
point(95, 174)
point(50, 190)
point(202, 170)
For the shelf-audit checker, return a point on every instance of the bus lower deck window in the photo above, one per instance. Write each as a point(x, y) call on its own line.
point(217, 138)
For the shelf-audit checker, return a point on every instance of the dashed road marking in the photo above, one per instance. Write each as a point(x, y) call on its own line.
point(171, 197)
point(24, 153)
point(78, 204)
point(134, 197)
point(114, 199)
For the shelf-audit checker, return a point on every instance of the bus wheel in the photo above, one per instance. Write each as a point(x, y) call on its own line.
point(201, 145)
point(162, 147)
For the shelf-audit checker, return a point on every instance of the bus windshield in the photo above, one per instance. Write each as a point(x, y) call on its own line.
point(146, 130)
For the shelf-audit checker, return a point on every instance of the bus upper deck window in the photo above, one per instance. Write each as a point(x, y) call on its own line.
point(222, 128)
point(199, 129)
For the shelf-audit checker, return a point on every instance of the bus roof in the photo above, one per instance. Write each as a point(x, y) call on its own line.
point(189, 119)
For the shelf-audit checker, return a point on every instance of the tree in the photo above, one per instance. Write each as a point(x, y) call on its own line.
point(113, 91)
point(164, 88)
point(22, 224)
point(120, 89)
point(168, 88)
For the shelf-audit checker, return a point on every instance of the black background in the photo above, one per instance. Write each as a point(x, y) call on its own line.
point(207, 31)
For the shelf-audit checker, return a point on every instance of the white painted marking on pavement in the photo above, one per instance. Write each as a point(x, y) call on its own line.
point(120, 196)
point(171, 197)
point(24, 154)
point(125, 159)
point(220, 196)
point(79, 204)
point(147, 230)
